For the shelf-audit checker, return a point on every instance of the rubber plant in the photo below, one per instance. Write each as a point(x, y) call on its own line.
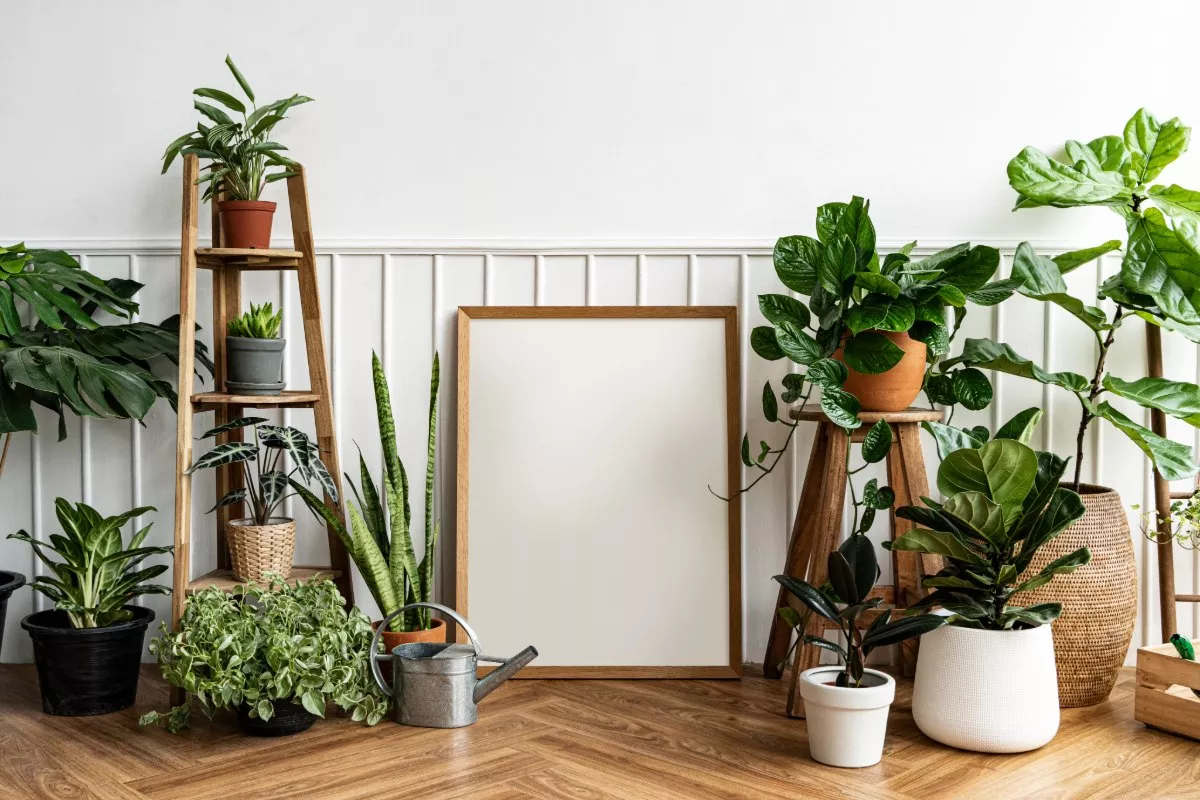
point(853, 570)
point(55, 353)
point(1159, 279)
point(380, 538)
point(1003, 503)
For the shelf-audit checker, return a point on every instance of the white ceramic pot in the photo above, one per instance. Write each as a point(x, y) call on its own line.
point(989, 691)
point(846, 726)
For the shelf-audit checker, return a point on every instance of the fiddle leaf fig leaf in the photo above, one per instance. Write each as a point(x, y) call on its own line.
point(1153, 146)
point(1066, 262)
point(1162, 265)
point(986, 354)
point(938, 543)
point(1021, 426)
point(949, 438)
point(1180, 400)
point(1171, 459)
point(1036, 176)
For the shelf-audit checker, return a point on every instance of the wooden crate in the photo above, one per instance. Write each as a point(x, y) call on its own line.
point(1164, 697)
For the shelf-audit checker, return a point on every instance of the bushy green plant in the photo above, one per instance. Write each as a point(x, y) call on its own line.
point(240, 152)
point(262, 645)
point(1003, 504)
point(260, 322)
point(94, 576)
point(266, 484)
point(853, 570)
point(380, 534)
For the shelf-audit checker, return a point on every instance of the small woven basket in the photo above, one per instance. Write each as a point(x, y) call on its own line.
point(1091, 638)
point(255, 550)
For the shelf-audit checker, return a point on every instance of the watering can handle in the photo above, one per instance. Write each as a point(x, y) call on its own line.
point(376, 656)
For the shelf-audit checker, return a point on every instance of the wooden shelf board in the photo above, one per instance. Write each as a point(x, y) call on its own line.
point(246, 258)
point(223, 578)
point(205, 401)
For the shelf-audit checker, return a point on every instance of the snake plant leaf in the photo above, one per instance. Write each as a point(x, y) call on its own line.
point(809, 595)
point(1152, 145)
point(949, 438)
point(976, 512)
point(371, 564)
point(425, 569)
point(795, 259)
point(1059, 566)
point(762, 341)
point(872, 353)
point(796, 344)
point(227, 453)
point(318, 507)
point(881, 312)
point(231, 497)
point(779, 307)
point(987, 354)
point(841, 407)
point(1179, 399)
point(938, 543)
point(373, 510)
point(897, 631)
point(1172, 460)
point(1162, 265)
point(1021, 426)
point(233, 425)
point(1066, 262)
point(1036, 176)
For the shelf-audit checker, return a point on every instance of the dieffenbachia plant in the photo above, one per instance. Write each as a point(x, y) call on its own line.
point(380, 535)
point(1159, 279)
point(1003, 503)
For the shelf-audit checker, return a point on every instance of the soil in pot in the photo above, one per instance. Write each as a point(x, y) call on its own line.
point(1091, 637)
point(246, 223)
point(254, 365)
point(393, 639)
point(255, 550)
point(896, 389)
point(9, 583)
point(289, 718)
point(84, 671)
point(846, 725)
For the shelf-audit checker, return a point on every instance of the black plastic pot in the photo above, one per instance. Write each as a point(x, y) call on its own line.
point(84, 671)
point(289, 718)
point(9, 582)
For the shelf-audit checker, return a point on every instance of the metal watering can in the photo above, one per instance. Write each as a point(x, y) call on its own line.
point(435, 682)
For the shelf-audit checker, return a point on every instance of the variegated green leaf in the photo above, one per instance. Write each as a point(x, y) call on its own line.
point(228, 453)
point(233, 425)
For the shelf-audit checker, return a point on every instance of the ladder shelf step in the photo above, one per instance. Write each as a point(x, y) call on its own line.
point(223, 578)
point(209, 401)
point(246, 258)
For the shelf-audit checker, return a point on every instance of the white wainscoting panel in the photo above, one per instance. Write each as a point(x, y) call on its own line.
point(399, 299)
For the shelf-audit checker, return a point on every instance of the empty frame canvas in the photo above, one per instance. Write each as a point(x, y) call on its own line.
point(587, 439)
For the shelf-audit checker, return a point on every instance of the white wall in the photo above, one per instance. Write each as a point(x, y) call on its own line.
point(563, 152)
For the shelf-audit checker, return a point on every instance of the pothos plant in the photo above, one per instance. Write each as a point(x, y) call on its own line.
point(267, 482)
point(260, 646)
point(1159, 279)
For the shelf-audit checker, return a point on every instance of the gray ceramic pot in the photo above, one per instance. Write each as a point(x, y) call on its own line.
point(255, 365)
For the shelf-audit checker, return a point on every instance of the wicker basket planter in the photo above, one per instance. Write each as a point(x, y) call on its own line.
point(1092, 636)
point(255, 550)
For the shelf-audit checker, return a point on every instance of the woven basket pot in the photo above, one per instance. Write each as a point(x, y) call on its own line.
point(255, 550)
point(1099, 599)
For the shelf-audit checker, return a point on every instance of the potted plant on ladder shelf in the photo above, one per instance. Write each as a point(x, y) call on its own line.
point(254, 351)
point(240, 154)
point(847, 706)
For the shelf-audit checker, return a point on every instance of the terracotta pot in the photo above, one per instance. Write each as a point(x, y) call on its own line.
point(393, 639)
point(896, 389)
point(246, 223)
point(1091, 637)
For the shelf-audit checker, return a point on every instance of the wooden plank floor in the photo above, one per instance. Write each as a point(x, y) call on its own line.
point(572, 739)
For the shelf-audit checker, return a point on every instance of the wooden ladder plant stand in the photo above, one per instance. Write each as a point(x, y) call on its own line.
point(227, 265)
point(818, 527)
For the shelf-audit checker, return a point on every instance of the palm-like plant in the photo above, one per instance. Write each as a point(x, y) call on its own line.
point(240, 152)
point(94, 577)
point(386, 557)
point(54, 353)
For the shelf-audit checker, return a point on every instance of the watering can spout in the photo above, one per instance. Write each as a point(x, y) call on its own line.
point(502, 673)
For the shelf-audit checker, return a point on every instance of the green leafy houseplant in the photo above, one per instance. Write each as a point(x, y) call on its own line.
point(55, 354)
point(380, 534)
point(262, 646)
point(240, 152)
point(1003, 503)
point(853, 570)
point(260, 322)
point(94, 575)
point(1158, 281)
point(266, 484)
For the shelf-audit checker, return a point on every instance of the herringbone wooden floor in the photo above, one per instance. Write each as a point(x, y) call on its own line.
point(572, 739)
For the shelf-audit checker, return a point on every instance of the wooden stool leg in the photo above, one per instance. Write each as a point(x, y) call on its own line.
point(828, 532)
point(800, 548)
point(906, 475)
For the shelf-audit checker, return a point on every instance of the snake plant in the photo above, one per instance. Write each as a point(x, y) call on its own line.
point(94, 577)
point(380, 534)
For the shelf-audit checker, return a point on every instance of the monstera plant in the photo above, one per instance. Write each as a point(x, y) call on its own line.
point(55, 353)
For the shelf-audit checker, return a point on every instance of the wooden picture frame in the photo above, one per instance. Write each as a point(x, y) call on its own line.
point(727, 316)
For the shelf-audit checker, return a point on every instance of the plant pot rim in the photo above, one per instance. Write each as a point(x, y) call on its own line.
point(1088, 489)
point(846, 698)
point(984, 631)
point(251, 205)
point(248, 522)
point(811, 675)
point(257, 342)
point(10, 582)
point(438, 622)
point(41, 623)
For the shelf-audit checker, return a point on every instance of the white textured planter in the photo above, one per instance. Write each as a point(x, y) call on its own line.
point(989, 691)
point(846, 726)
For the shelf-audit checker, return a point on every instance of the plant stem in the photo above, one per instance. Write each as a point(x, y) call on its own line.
point(1086, 416)
point(4, 453)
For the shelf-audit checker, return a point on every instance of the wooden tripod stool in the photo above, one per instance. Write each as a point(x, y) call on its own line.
point(818, 527)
